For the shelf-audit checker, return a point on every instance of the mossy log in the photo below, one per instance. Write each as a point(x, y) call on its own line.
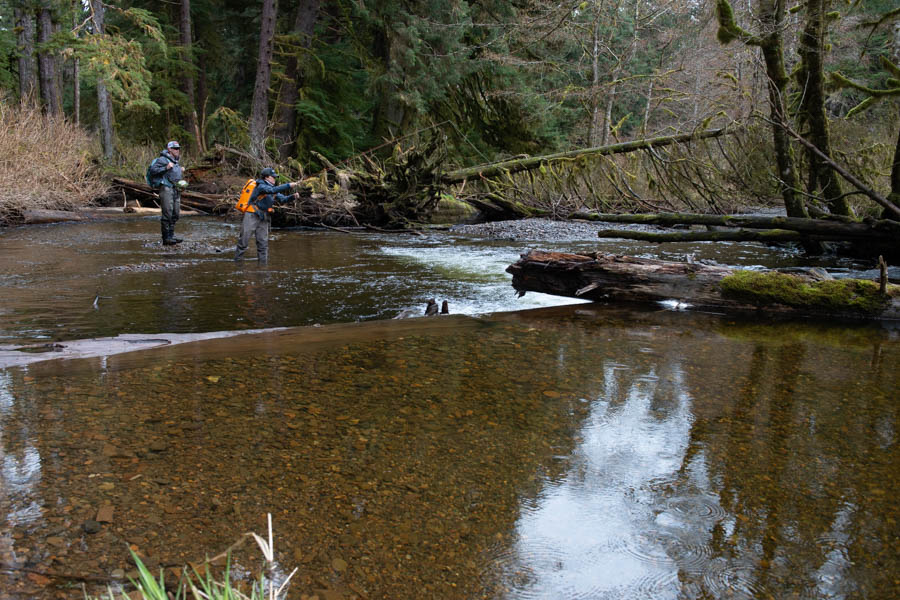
point(828, 229)
point(614, 278)
point(741, 235)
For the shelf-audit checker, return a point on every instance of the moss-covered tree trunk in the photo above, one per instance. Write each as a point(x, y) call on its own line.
point(811, 80)
point(894, 196)
point(772, 18)
point(286, 109)
point(770, 41)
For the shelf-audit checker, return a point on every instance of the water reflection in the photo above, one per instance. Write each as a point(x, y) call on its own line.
point(565, 453)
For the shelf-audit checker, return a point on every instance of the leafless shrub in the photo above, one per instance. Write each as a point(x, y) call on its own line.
point(46, 164)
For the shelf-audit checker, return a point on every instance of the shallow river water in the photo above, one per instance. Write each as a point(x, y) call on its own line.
point(576, 451)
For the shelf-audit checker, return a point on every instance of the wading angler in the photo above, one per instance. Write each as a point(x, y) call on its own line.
point(166, 175)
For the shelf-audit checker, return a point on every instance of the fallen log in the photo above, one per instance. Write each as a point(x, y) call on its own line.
point(741, 235)
point(37, 216)
point(43, 216)
point(828, 228)
point(535, 162)
point(615, 278)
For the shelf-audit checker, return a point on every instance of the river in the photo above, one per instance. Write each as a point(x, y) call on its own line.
point(515, 449)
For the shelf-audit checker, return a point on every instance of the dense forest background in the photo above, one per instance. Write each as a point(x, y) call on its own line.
point(315, 82)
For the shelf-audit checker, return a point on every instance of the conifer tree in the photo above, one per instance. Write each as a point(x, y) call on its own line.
point(25, 39)
point(259, 110)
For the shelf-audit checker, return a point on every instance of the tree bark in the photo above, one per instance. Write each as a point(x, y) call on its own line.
point(76, 69)
point(25, 31)
point(286, 110)
point(390, 113)
point(104, 103)
point(48, 64)
point(614, 278)
point(259, 110)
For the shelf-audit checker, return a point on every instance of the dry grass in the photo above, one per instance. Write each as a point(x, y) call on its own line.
point(46, 164)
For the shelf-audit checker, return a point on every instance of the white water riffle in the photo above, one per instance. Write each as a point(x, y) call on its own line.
point(473, 277)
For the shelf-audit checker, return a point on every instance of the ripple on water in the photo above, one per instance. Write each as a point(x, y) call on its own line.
point(605, 571)
point(704, 507)
point(732, 581)
point(664, 550)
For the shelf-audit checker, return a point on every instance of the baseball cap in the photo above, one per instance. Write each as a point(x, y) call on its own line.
point(173, 144)
point(269, 172)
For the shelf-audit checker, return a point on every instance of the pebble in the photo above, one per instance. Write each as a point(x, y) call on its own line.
point(339, 565)
point(91, 526)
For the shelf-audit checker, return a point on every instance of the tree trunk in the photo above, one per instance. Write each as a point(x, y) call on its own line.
point(48, 64)
point(811, 79)
point(104, 103)
point(594, 131)
point(646, 122)
point(187, 79)
point(607, 116)
point(202, 95)
point(390, 113)
point(259, 111)
point(76, 69)
point(28, 85)
point(772, 17)
point(894, 196)
point(613, 278)
point(286, 110)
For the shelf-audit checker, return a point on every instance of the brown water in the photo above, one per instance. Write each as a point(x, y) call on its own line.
point(570, 452)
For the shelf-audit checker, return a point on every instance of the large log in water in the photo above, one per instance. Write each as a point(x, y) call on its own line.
point(616, 278)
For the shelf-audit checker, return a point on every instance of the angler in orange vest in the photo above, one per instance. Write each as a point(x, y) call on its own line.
point(256, 218)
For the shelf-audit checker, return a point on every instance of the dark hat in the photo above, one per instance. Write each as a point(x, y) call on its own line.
point(173, 144)
point(268, 172)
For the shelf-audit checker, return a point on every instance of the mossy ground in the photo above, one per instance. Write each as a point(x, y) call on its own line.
point(838, 295)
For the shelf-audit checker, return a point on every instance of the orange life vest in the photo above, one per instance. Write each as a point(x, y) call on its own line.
point(243, 203)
